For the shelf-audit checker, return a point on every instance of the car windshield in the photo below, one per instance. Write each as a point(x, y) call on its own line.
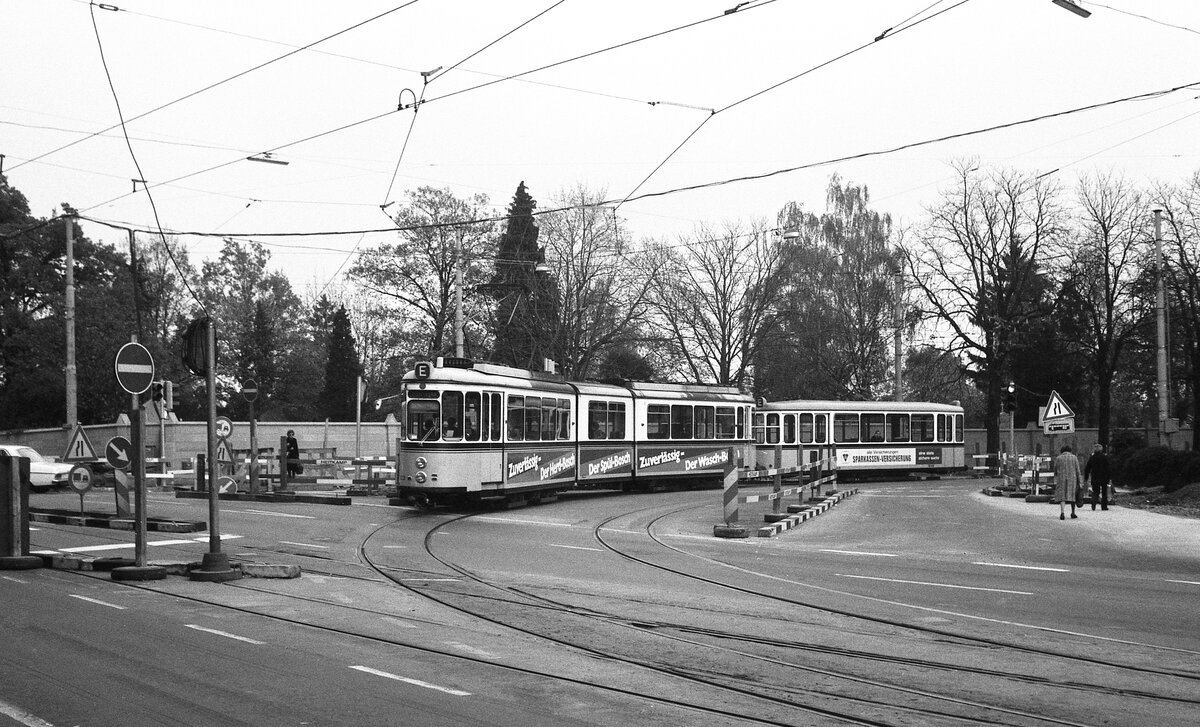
point(30, 453)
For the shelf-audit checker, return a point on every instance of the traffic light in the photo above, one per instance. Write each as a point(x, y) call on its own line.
point(1010, 397)
point(169, 395)
point(156, 391)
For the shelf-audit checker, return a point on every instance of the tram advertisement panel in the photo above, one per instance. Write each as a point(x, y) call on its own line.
point(605, 462)
point(681, 459)
point(530, 467)
point(889, 456)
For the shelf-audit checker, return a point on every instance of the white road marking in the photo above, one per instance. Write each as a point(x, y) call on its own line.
point(225, 634)
point(14, 580)
point(859, 552)
point(414, 682)
point(429, 580)
point(16, 713)
point(937, 585)
point(398, 622)
point(514, 521)
point(575, 547)
point(471, 650)
point(1186, 583)
point(1024, 567)
point(126, 546)
point(393, 547)
point(273, 514)
point(102, 603)
point(304, 545)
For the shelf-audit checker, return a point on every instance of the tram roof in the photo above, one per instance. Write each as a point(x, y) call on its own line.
point(817, 405)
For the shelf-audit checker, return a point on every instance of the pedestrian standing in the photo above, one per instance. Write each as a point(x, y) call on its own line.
point(293, 454)
point(1097, 473)
point(1067, 480)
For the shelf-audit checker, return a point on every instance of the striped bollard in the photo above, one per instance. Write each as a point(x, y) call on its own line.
point(730, 528)
point(121, 489)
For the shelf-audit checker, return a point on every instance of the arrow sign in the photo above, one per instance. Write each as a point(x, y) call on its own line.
point(118, 453)
point(134, 367)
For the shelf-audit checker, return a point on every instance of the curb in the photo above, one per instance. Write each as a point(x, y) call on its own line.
point(111, 522)
point(173, 568)
point(310, 499)
point(808, 512)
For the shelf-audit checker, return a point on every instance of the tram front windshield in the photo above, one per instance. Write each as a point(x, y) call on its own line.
point(423, 420)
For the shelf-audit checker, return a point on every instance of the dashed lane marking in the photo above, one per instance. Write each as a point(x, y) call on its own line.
point(16, 713)
point(575, 547)
point(859, 552)
point(414, 682)
point(514, 521)
point(14, 580)
point(226, 634)
point(471, 650)
point(304, 545)
point(273, 514)
point(97, 601)
point(1025, 567)
point(1186, 583)
point(937, 585)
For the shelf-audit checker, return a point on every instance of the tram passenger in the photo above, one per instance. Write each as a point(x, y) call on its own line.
point(450, 431)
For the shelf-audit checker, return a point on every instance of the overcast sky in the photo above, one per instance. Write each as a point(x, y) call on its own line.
point(776, 85)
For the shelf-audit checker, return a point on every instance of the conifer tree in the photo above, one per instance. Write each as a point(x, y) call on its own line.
point(526, 301)
point(338, 399)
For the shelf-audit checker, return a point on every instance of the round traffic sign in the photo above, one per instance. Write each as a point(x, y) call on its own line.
point(250, 390)
point(134, 367)
point(118, 452)
point(80, 478)
point(227, 485)
point(224, 427)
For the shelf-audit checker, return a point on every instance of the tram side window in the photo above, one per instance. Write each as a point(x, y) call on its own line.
point(564, 418)
point(706, 422)
point(471, 421)
point(658, 421)
point(423, 420)
point(922, 427)
point(516, 418)
point(533, 418)
point(681, 421)
point(845, 427)
point(897, 428)
point(616, 420)
point(758, 428)
point(959, 433)
point(452, 415)
point(822, 421)
point(597, 424)
point(789, 428)
point(806, 428)
point(726, 422)
point(550, 417)
point(872, 427)
point(772, 429)
point(741, 422)
point(943, 427)
point(497, 416)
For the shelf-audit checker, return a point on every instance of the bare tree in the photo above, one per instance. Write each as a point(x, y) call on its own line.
point(1181, 244)
point(602, 295)
point(1101, 266)
point(977, 265)
point(715, 294)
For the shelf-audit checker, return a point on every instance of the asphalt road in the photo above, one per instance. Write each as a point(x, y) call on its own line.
point(908, 603)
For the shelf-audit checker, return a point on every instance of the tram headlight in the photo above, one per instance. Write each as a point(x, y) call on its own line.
point(420, 478)
point(420, 463)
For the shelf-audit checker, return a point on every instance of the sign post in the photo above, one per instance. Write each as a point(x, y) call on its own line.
point(215, 566)
point(134, 367)
point(250, 393)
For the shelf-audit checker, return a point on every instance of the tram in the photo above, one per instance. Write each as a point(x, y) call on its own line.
point(870, 438)
point(472, 430)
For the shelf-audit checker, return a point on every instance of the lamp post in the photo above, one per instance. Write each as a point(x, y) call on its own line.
point(1160, 310)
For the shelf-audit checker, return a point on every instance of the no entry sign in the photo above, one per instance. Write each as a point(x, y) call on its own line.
point(135, 368)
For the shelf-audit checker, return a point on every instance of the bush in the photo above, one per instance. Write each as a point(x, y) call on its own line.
point(1169, 469)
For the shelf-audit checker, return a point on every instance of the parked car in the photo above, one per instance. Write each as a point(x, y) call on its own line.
point(43, 473)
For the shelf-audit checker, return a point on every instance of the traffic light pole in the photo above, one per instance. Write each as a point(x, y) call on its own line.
point(215, 565)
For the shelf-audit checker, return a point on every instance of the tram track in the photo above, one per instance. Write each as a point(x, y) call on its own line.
point(745, 687)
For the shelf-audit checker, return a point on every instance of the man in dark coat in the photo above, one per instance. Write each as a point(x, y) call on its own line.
point(1097, 473)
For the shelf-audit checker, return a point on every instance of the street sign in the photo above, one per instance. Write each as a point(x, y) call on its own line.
point(79, 448)
point(227, 485)
point(1056, 408)
point(80, 478)
point(119, 453)
point(224, 427)
point(250, 390)
point(1059, 426)
point(134, 367)
point(224, 453)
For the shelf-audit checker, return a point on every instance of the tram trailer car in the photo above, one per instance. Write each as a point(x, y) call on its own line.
point(871, 438)
point(475, 430)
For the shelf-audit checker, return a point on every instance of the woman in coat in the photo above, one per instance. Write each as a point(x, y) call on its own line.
point(1067, 480)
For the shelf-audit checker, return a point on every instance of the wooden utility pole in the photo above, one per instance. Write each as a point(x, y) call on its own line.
point(69, 315)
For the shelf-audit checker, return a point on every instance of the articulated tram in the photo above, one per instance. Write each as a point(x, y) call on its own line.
point(476, 430)
point(869, 438)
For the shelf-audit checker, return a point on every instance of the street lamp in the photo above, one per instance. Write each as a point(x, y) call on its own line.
point(1070, 5)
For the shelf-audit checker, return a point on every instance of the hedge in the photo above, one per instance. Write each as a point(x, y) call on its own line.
point(1170, 469)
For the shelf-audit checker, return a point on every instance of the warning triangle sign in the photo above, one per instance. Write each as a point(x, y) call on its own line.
point(79, 449)
point(224, 453)
point(1056, 408)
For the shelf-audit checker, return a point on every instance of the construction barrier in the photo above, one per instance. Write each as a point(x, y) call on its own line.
point(732, 498)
